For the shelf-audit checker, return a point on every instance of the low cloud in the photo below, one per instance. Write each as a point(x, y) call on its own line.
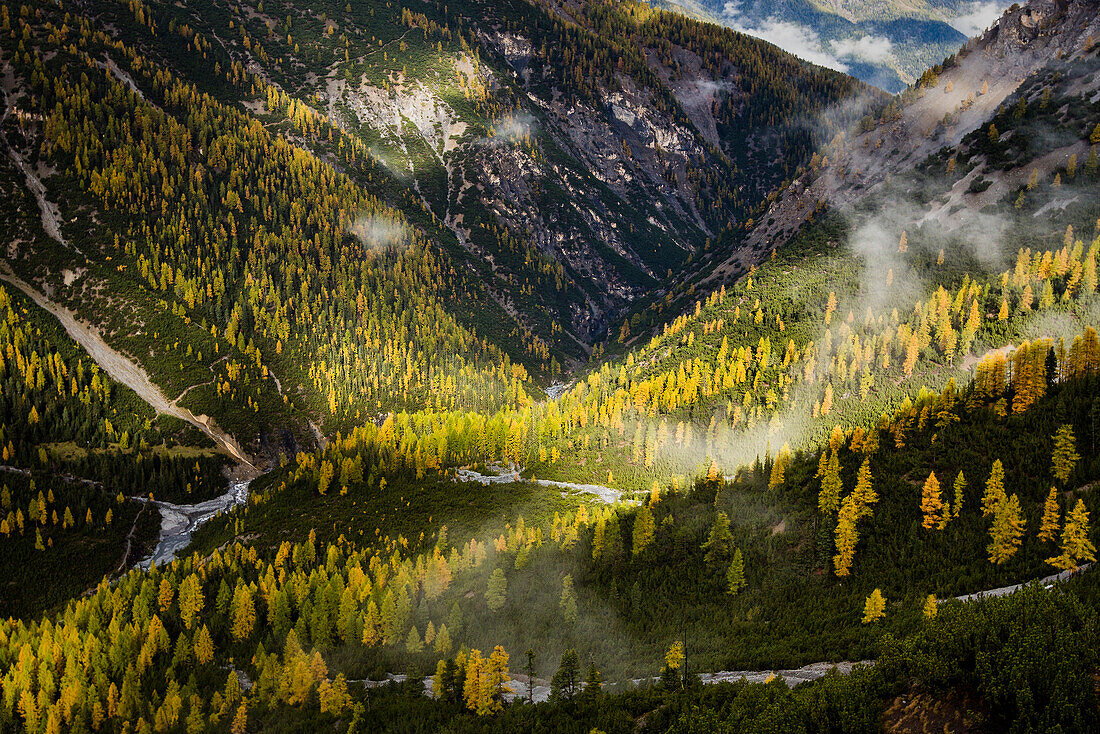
point(511, 129)
point(975, 17)
point(702, 91)
point(380, 233)
point(799, 40)
point(805, 43)
point(875, 49)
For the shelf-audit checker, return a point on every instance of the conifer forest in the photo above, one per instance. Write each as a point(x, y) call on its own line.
point(581, 366)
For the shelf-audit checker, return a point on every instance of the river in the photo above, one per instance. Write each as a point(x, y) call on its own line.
point(179, 522)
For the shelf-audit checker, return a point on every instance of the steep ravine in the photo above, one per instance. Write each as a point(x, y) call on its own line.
point(123, 369)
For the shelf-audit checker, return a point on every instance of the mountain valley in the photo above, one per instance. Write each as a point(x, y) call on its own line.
point(546, 365)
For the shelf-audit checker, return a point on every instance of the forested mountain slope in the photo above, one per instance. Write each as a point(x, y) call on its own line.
point(578, 153)
point(169, 145)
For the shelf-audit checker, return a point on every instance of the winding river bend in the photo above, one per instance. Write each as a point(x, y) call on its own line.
point(179, 522)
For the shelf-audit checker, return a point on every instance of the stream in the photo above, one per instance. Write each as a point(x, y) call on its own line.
point(607, 495)
point(179, 522)
point(517, 687)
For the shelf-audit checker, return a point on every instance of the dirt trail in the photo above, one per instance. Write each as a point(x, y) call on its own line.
point(119, 367)
point(540, 692)
point(124, 370)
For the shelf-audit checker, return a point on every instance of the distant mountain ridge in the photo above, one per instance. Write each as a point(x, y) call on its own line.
point(887, 44)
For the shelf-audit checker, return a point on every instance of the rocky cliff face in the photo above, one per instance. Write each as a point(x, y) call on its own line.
point(577, 153)
point(564, 158)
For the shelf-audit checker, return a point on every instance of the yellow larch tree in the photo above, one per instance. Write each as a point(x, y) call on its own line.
point(960, 489)
point(846, 536)
point(471, 691)
point(204, 646)
point(243, 613)
point(828, 499)
point(1064, 457)
point(165, 594)
point(994, 489)
point(931, 504)
point(874, 608)
point(1006, 532)
point(1076, 546)
point(1052, 518)
point(674, 656)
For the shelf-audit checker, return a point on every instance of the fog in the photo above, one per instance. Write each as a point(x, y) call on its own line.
point(380, 233)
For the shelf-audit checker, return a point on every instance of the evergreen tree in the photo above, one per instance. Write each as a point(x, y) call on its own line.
point(442, 642)
point(563, 685)
point(643, 530)
point(529, 672)
point(719, 542)
point(1092, 162)
point(568, 601)
point(613, 541)
point(931, 608)
point(735, 575)
point(593, 683)
point(413, 643)
point(496, 591)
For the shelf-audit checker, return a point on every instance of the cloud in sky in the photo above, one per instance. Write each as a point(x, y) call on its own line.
point(975, 17)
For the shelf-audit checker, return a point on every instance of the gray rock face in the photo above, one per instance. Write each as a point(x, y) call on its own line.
point(987, 72)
